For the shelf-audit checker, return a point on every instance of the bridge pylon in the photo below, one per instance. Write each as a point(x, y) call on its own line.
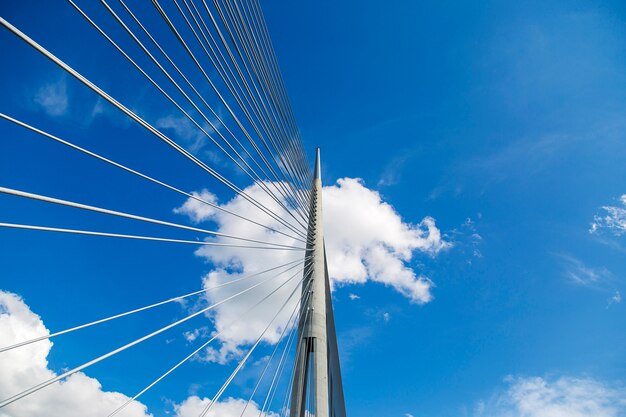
point(317, 388)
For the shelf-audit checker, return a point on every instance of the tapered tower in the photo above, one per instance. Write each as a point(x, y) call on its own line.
point(317, 388)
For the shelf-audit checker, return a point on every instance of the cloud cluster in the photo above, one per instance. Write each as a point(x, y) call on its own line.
point(235, 263)
point(562, 397)
point(79, 395)
point(230, 407)
point(24, 367)
point(367, 240)
point(613, 219)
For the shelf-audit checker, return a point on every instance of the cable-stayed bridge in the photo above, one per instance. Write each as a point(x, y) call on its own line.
point(214, 66)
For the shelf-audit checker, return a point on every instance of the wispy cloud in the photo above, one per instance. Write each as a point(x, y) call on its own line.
point(616, 298)
point(523, 157)
point(467, 240)
point(580, 274)
point(597, 278)
point(53, 97)
point(393, 170)
point(519, 159)
point(353, 340)
point(613, 219)
point(186, 132)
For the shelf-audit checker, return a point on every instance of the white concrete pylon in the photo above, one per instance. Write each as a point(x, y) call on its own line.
point(312, 350)
point(317, 375)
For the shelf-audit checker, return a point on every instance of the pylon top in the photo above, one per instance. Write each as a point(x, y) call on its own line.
point(317, 174)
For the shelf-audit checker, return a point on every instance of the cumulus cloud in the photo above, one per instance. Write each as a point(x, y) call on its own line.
point(230, 407)
point(196, 210)
point(561, 397)
point(367, 240)
point(53, 97)
point(77, 396)
point(613, 219)
point(370, 241)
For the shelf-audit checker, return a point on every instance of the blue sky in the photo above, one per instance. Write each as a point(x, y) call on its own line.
point(502, 121)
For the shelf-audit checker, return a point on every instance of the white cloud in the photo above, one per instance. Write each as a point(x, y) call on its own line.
point(230, 407)
point(24, 367)
point(79, 395)
point(562, 397)
point(613, 219)
point(196, 210)
point(365, 237)
point(353, 296)
point(369, 240)
point(53, 97)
